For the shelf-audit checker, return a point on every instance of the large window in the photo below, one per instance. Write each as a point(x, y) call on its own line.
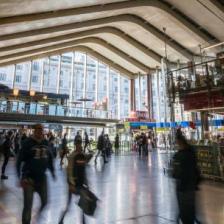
point(66, 73)
point(79, 70)
point(113, 95)
point(102, 82)
point(21, 75)
point(2, 77)
point(90, 80)
point(51, 74)
point(36, 74)
point(124, 97)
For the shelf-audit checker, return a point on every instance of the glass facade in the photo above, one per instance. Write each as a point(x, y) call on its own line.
point(77, 74)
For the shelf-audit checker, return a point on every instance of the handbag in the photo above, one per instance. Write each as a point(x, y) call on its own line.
point(87, 201)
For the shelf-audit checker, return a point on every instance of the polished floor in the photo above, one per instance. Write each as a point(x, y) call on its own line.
point(132, 190)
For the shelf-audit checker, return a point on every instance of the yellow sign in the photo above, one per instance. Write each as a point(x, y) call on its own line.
point(126, 125)
point(143, 127)
point(162, 129)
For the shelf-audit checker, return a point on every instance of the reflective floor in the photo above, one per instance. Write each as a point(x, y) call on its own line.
point(132, 190)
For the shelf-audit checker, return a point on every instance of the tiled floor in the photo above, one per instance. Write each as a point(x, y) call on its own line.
point(132, 190)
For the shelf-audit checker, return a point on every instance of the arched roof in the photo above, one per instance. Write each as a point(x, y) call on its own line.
point(129, 34)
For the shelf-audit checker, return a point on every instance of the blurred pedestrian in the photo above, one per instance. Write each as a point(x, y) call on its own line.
point(116, 144)
point(77, 138)
point(101, 148)
point(6, 151)
point(34, 158)
point(76, 176)
point(64, 149)
point(86, 141)
point(187, 175)
point(108, 146)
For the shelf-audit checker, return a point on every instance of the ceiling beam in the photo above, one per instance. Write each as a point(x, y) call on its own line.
point(110, 30)
point(93, 40)
point(102, 21)
point(80, 48)
point(219, 4)
point(160, 4)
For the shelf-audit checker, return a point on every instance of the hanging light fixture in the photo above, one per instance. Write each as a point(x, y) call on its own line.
point(15, 92)
point(32, 93)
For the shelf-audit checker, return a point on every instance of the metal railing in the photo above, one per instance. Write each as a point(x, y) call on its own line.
point(199, 77)
point(34, 108)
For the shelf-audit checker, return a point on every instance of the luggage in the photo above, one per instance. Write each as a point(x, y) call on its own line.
point(87, 201)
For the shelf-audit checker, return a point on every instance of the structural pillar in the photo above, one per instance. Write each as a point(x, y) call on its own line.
point(149, 96)
point(29, 76)
point(14, 76)
point(119, 97)
point(132, 95)
point(158, 95)
point(204, 124)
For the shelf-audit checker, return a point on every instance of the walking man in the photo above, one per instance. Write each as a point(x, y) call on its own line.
point(34, 159)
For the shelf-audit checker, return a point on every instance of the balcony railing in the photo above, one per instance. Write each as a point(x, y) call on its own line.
point(200, 77)
point(33, 108)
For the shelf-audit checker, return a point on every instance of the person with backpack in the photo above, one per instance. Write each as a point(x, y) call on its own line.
point(187, 175)
point(76, 176)
point(34, 158)
point(6, 151)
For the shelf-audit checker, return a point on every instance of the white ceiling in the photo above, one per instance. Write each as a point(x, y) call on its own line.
point(201, 12)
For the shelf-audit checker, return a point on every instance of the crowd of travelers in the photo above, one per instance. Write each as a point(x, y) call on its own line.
point(144, 142)
point(35, 154)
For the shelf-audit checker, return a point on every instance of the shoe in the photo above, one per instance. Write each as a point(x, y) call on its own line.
point(3, 177)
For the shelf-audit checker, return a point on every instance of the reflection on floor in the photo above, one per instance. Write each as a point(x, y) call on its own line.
point(132, 190)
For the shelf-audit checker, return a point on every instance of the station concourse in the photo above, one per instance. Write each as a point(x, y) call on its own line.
point(135, 85)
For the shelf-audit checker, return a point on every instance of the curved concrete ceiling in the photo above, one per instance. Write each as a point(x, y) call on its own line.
point(166, 7)
point(124, 59)
point(136, 20)
point(80, 48)
point(110, 30)
point(141, 29)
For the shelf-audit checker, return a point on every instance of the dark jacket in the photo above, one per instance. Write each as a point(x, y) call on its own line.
point(78, 139)
point(116, 144)
point(76, 172)
point(101, 143)
point(35, 158)
point(185, 170)
point(6, 146)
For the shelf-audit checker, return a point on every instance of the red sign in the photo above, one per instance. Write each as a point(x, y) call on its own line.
point(138, 116)
point(200, 100)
